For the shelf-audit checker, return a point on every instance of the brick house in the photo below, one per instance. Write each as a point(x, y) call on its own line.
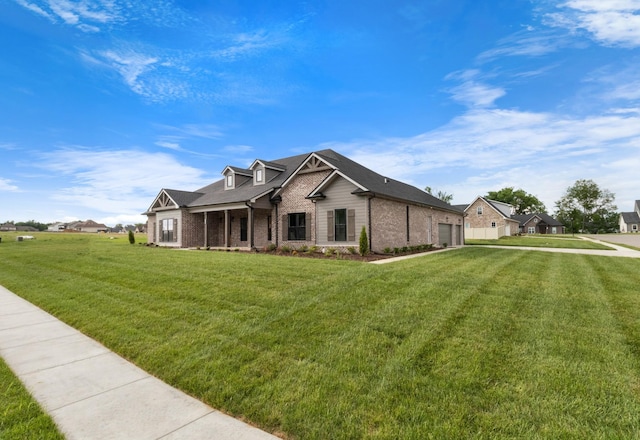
point(489, 219)
point(320, 198)
point(539, 223)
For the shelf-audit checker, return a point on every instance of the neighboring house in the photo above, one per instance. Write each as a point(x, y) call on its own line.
point(7, 227)
point(630, 221)
point(538, 224)
point(317, 199)
point(27, 229)
point(88, 226)
point(56, 227)
point(489, 219)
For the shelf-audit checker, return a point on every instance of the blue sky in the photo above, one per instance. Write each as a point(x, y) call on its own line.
point(105, 102)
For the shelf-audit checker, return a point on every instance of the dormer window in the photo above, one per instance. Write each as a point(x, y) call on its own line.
point(259, 176)
point(229, 184)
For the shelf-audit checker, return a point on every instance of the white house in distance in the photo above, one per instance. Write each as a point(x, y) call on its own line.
point(630, 221)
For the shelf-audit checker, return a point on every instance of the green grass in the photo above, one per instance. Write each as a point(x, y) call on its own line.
point(472, 343)
point(541, 241)
point(20, 416)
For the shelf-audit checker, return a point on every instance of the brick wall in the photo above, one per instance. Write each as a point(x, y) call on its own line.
point(389, 224)
point(293, 200)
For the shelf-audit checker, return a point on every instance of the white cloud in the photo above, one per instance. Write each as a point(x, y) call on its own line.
point(531, 42)
point(476, 94)
point(7, 185)
point(123, 181)
point(542, 152)
point(611, 22)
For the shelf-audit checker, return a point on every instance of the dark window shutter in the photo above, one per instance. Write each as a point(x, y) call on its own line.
point(307, 226)
point(330, 226)
point(175, 229)
point(285, 227)
point(351, 225)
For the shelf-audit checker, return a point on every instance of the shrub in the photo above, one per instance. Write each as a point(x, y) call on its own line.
point(364, 242)
point(352, 250)
point(285, 249)
point(313, 249)
point(387, 250)
point(132, 238)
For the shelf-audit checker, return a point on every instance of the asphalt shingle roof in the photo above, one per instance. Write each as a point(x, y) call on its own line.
point(215, 193)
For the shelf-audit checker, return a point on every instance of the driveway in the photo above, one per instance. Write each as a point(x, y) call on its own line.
point(626, 239)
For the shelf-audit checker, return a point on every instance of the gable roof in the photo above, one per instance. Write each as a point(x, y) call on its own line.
point(368, 182)
point(504, 209)
point(546, 218)
point(630, 217)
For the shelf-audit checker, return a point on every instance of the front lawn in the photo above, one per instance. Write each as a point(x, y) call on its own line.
point(547, 241)
point(471, 343)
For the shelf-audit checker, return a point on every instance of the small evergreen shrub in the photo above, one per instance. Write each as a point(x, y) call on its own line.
point(364, 242)
point(132, 238)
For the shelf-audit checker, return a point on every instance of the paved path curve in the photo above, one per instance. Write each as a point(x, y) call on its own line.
point(92, 393)
point(616, 251)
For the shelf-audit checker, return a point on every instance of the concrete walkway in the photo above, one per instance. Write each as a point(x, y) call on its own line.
point(616, 251)
point(92, 393)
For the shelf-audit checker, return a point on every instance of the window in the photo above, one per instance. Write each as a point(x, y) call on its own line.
point(493, 224)
point(479, 210)
point(634, 227)
point(229, 180)
point(243, 229)
point(259, 175)
point(167, 233)
point(297, 229)
point(531, 230)
point(269, 228)
point(467, 225)
point(340, 225)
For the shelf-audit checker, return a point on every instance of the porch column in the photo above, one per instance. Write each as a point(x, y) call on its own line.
point(250, 226)
point(226, 228)
point(206, 230)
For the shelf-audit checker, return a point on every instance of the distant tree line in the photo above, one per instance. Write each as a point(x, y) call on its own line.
point(39, 226)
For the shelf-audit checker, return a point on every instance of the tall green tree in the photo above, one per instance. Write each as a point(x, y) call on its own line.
point(523, 202)
point(442, 195)
point(587, 208)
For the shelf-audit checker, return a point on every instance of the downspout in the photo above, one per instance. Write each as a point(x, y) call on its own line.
point(369, 221)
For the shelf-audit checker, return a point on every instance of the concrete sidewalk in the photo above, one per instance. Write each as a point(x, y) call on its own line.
point(92, 393)
point(616, 251)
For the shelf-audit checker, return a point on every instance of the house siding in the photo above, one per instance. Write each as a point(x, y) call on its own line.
point(294, 200)
point(338, 196)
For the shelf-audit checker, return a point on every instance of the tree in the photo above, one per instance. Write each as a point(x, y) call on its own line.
point(442, 195)
point(588, 207)
point(523, 202)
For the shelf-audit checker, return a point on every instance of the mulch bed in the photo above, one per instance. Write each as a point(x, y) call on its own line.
point(345, 256)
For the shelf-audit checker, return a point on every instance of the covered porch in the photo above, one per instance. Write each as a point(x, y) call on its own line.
point(243, 227)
